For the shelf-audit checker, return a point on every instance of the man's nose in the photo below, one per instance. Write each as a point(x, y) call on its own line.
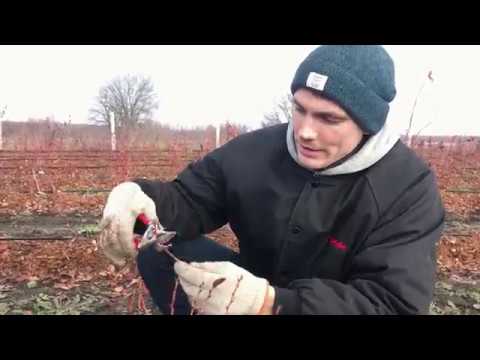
point(306, 131)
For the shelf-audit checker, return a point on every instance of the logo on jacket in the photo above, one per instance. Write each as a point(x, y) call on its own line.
point(340, 245)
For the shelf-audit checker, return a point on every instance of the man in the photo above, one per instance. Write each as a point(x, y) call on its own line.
point(334, 214)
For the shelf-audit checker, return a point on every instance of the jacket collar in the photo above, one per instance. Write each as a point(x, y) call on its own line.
point(374, 149)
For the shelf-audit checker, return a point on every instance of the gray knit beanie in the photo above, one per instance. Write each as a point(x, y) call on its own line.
point(359, 78)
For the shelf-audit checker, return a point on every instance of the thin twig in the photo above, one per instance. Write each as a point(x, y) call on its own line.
point(36, 181)
point(168, 252)
point(44, 237)
point(174, 295)
point(467, 191)
point(233, 294)
point(214, 285)
point(194, 305)
point(459, 234)
point(130, 302)
point(141, 297)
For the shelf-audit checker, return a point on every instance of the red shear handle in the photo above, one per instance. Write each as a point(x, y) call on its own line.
point(143, 218)
point(137, 239)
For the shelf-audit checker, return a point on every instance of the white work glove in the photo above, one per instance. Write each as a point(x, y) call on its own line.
point(125, 202)
point(217, 288)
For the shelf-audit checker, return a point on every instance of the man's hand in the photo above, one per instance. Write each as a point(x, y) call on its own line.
point(125, 202)
point(224, 288)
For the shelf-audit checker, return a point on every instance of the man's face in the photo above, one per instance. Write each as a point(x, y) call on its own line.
point(323, 131)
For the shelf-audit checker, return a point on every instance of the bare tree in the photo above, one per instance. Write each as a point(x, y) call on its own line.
point(131, 98)
point(281, 113)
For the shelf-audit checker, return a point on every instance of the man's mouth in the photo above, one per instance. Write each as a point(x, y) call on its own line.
point(309, 152)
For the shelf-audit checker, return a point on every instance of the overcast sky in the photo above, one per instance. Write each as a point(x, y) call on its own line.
point(199, 85)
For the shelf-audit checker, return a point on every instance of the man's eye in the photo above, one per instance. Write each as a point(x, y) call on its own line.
point(331, 120)
point(299, 109)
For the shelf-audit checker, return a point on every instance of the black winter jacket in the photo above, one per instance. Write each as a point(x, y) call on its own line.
point(355, 243)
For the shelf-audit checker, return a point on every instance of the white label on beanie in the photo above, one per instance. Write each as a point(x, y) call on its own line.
point(317, 81)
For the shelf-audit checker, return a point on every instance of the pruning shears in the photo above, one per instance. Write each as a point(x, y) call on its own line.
point(155, 233)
